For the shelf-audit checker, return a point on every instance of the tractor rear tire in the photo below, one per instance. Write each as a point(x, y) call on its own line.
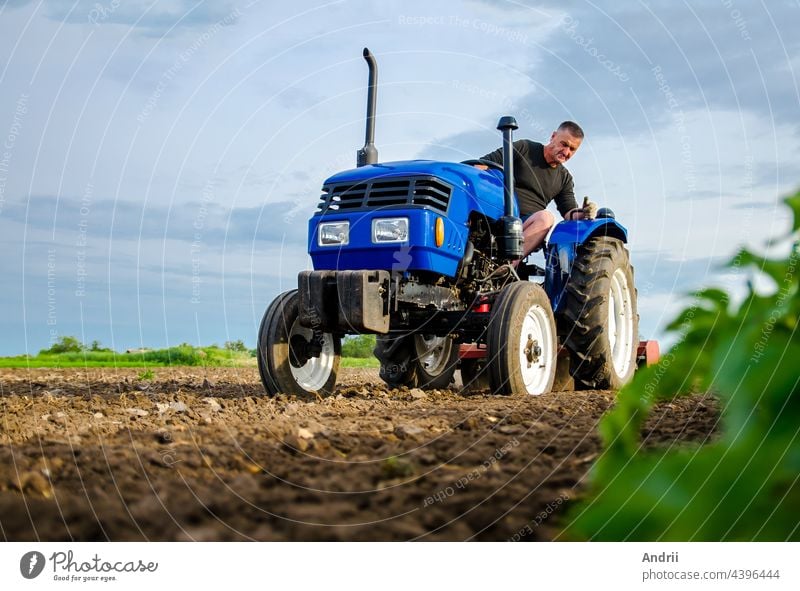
point(283, 362)
point(521, 341)
point(600, 322)
point(417, 361)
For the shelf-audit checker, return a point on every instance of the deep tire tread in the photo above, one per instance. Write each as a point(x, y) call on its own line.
point(400, 366)
point(583, 321)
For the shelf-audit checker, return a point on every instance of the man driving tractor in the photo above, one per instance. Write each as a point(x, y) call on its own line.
point(540, 177)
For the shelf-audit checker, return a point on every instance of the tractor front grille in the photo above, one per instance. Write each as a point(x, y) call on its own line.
point(377, 193)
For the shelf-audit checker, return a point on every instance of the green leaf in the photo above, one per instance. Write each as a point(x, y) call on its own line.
point(744, 486)
point(794, 204)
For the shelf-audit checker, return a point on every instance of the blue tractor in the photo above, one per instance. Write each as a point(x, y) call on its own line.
point(424, 255)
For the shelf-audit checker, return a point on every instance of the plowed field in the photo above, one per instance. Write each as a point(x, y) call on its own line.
point(202, 454)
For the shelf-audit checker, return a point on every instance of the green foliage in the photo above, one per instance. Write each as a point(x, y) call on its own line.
point(65, 344)
point(237, 346)
point(183, 354)
point(360, 346)
point(745, 485)
point(96, 347)
point(76, 355)
point(361, 362)
point(146, 375)
point(59, 361)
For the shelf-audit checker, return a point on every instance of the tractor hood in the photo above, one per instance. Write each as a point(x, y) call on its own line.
point(403, 168)
point(417, 191)
point(484, 187)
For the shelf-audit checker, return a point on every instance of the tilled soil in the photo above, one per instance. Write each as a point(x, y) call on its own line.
point(202, 454)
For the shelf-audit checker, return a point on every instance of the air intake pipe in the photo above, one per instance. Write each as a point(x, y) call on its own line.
point(369, 153)
point(510, 224)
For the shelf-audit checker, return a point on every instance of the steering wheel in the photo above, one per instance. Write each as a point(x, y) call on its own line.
point(489, 163)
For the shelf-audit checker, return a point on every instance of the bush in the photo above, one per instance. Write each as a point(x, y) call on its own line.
point(181, 355)
point(358, 346)
point(742, 487)
point(64, 345)
point(237, 346)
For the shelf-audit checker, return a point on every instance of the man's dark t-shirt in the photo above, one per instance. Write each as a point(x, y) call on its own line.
point(536, 182)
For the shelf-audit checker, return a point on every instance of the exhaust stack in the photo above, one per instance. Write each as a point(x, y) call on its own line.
point(511, 229)
point(507, 125)
point(369, 153)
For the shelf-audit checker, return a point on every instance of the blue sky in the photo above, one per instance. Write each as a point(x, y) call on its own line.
point(160, 158)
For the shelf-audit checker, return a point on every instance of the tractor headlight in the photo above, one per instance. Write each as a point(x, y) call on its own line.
point(390, 230)
point(333, 233)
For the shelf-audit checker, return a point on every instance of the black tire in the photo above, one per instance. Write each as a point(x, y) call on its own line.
point(600, 322)
point(263, 366)
point(417, 361)
point(474, 374)
point(280, 360)
point(521, 341)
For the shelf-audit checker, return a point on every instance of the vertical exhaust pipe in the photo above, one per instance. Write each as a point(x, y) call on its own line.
point(507, 125)
point(369, 153)
point(511, 230)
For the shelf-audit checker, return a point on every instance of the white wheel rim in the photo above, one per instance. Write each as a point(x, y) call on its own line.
point(433, 353)
point(536, 364)
point(314, 374)
point(620, 323)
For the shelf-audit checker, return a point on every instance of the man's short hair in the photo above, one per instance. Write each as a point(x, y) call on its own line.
point(572, 128)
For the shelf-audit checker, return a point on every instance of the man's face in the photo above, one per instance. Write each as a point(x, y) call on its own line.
point(561, 147)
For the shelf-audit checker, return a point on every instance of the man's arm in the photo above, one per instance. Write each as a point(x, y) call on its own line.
point(565, 200)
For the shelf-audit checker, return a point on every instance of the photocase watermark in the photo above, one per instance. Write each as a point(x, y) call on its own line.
point(540, 518)
point(736, 16)
point(167, 454)
point(668, 358)
point(504, 103)
point(101, 12)
point(679, 120)
point(745, 225)
point(67, 568)
point(9, 142)
point(570, 26)
point(784, 293)
point(311, 186)
point(473, 24)
point(290, 215)
point(80, 243)
point(645, 288)
point(196, 245)
point(449, 491)
point(52, 317)
point(31, 564)
point(183, 58)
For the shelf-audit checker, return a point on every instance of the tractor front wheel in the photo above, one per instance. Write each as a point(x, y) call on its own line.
point(293, 359)
point(521, 341)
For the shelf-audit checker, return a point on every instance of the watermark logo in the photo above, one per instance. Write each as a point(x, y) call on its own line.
point(31, 564)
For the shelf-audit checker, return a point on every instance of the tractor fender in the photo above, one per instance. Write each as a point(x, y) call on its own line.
point(562, 248)
point(577, 232)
